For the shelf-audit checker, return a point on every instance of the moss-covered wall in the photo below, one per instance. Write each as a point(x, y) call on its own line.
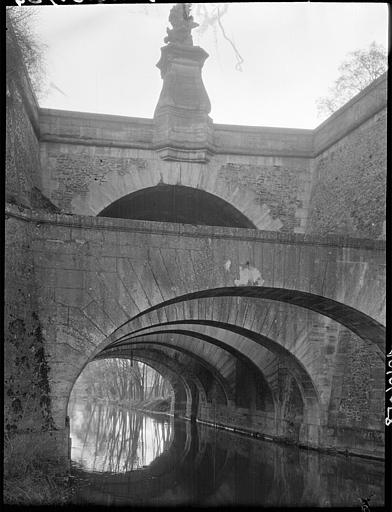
point(23, 183)
point(27, 393)
point(22, 139)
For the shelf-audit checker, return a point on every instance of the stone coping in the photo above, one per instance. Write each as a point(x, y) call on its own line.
point(94, 116)
point(311, 142)
point(262, 129)
point(333, 117)
point(189, 230)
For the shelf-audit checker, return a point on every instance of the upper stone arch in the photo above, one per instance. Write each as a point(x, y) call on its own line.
point(108, 186)
point(177, 204)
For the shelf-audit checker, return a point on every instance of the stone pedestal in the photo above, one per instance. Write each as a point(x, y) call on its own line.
point(182, 127)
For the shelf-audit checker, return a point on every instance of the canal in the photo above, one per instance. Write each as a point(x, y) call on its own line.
point(125, 457)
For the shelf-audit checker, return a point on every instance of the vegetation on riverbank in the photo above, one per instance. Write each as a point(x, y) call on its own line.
point(29, 470)
point(30, 479)
point(158, 405)
point(121, 381)
point(161, 405)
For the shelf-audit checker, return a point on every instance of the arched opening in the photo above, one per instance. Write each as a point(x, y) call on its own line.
point(108, 431)
point(177, 204)
point(358, 322)
point(123, 381)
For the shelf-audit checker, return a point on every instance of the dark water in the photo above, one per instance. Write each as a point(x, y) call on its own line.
point(129, 458)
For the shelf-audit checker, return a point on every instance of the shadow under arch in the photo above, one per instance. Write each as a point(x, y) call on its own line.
point(186, 456)
point(308, 390)
point(270, 400)
point(182, 386)
point(157, 359)
point(177, 204)
point(361, 324)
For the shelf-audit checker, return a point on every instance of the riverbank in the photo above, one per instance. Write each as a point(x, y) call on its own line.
point(155, 405)
point(30, 479)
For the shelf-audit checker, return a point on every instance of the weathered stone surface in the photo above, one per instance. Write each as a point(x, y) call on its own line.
point(349, 182)
point(27, 398)
point(182, 129)
point(275, 331)
point(95, 293)
point(273, 176)
point(22, 146)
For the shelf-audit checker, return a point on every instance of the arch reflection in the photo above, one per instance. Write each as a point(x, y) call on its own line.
point(130, 458)
point(107, 438)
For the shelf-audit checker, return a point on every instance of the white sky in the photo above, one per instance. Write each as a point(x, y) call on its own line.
point(103, 57)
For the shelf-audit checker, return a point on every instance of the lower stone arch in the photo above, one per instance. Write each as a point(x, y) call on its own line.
point(182, 386)
point(309, 431)
point(260, 339)
point(214, 373)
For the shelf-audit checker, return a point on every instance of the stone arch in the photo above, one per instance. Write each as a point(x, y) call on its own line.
point(183, 383)
point(177, 204)
point(156, 356)
point(322, 337)
point(314, 415)
point(214, 373)
point(237, 354)
point(144, 174)
point(361, 324)
point(308, 390)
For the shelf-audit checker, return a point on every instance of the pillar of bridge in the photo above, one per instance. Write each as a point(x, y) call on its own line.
point(183, 130)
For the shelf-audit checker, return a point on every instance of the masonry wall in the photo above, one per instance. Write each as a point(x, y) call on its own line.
point(325, 181)
point(23, 181)
point(90, 161)
point(81, 263)
point(27, 393)
point(349, 168)
point(22, 143)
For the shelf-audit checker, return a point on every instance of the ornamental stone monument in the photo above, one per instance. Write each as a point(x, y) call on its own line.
point(183, 130)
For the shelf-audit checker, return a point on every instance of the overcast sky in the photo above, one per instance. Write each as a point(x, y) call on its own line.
point(103, 57)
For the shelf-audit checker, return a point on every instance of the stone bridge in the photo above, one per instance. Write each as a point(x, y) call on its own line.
point(265, 332)
point(247, 264)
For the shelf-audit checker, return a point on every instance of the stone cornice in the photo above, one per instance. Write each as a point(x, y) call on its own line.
point(69, 127)
point(188, 230)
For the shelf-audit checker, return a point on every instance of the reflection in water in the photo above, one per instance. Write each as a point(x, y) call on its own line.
point(129, 458)
point(115, 440)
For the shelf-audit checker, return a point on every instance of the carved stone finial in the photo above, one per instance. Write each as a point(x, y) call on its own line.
point(182, 23)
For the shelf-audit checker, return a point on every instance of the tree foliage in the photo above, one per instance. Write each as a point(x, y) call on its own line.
point(24, 51)
point(356, 72)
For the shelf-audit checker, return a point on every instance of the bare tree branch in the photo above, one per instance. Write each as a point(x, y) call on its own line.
point(359, 70)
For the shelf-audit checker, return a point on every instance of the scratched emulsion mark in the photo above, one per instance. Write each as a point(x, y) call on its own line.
point(249, 276)
point(57, 2)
